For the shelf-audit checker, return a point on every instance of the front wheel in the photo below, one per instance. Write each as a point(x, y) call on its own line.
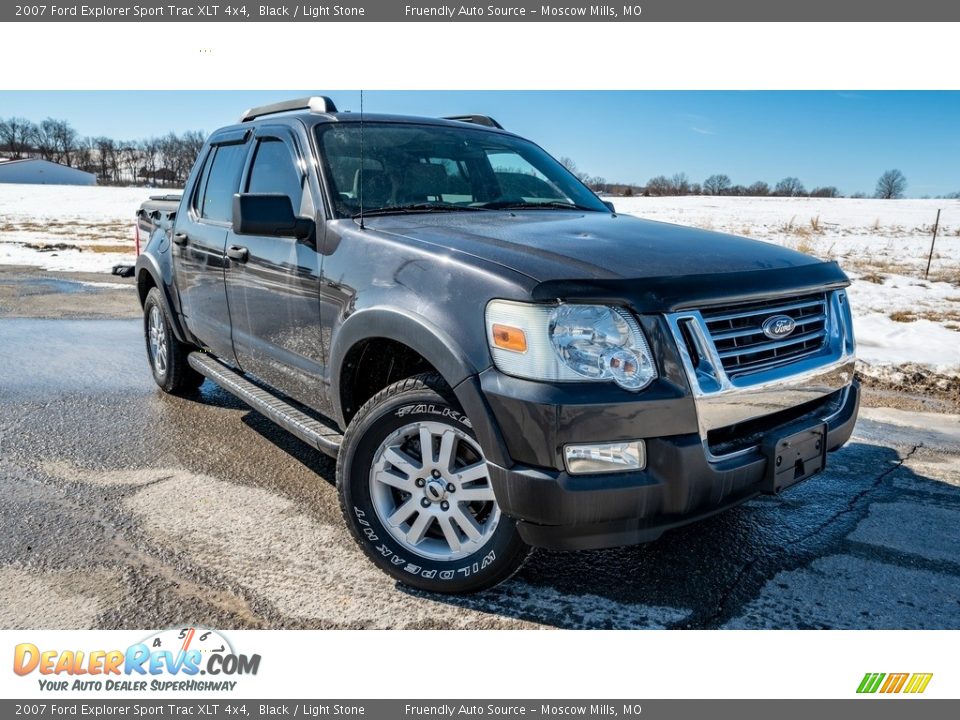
point(416, 492)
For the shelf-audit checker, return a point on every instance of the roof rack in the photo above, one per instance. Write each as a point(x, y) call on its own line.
point(485, 120)
point(316, 104)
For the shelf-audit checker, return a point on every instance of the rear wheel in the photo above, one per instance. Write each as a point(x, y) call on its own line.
point(416, 492)
point(167, 355)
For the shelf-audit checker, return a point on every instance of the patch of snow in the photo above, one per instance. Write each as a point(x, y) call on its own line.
point(883, 341)
point(63, 260)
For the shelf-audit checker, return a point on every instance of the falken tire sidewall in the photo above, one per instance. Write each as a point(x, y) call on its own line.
point(494, 562)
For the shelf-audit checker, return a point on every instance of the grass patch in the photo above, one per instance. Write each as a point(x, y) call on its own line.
point(950, 319)
point(903, 316)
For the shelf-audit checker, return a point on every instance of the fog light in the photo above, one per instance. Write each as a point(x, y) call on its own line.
point(605, 457)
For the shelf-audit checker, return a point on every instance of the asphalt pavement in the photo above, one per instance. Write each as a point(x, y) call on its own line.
point(123, 507)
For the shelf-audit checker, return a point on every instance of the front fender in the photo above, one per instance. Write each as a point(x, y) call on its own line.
point(456, 367)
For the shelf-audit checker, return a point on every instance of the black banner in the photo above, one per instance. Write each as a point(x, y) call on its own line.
point(225, 708)
point(516, 11)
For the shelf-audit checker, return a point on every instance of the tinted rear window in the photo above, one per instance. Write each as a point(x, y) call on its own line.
point(223, 182)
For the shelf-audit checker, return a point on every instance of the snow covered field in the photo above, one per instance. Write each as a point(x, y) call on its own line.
point(68, 228)
point(882, 245)
point(901, 319)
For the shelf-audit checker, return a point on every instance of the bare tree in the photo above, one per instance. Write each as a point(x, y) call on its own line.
point(758, 189)
point(16, 136)
point(659, 185)
point(891, 185)
point(828, 191)
point(570, 165)
point(790, 187)
point(680, 184)
point(62, 138)
point(716, 185)
point(44, 140)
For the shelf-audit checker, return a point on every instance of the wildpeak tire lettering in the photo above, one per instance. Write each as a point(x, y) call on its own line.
point(412, 567)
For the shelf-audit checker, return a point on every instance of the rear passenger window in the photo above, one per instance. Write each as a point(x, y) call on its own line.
point(223, 181)
point(273, 171)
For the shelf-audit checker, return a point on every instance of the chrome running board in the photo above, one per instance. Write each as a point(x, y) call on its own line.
point(324, 438)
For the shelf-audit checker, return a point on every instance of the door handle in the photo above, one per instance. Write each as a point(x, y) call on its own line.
point(180, 238)
point(240, 254)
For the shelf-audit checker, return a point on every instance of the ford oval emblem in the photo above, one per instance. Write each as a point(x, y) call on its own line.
point(778, 326)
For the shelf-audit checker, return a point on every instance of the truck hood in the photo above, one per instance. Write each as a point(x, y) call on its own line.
point(549, 245)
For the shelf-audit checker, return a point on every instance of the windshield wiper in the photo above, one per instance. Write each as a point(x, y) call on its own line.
point(416, 208)
point(523, 205)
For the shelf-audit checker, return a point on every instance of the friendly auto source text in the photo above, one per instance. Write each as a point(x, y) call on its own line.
point(452, 11)
point(592, 710)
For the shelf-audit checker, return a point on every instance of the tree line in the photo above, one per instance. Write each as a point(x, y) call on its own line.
point(159, 161)
point(891, 184)
point(167, 160)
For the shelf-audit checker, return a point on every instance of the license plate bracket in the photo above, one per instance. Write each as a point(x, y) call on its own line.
point(793, 455)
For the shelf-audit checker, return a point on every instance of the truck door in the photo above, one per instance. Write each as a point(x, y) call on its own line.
point(200, 237)
point(273, 282)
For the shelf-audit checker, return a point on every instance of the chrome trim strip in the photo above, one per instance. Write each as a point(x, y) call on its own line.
point(712, 457)
point(760, 311)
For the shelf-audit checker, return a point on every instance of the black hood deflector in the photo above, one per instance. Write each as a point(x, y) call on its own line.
point(685, 292)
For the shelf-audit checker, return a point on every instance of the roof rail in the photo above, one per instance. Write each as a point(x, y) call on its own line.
point(485, 120)
point(316, 104)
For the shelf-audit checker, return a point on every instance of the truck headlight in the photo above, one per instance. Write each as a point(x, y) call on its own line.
point(569, 343)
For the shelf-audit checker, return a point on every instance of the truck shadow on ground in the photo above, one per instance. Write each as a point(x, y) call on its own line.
point(792, 561)
point(757, 565)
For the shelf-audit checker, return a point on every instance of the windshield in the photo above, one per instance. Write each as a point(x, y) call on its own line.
point(436, 168)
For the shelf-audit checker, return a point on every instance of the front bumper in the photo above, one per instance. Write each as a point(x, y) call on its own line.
point(683, 482)
point(704, 430)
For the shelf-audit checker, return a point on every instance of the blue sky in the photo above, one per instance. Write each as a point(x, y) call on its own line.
point(823, 137)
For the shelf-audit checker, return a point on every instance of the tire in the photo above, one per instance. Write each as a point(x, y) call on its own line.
point(433, 523)
point(167, 355)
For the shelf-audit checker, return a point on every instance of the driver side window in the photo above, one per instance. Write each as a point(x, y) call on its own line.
point(273, 171)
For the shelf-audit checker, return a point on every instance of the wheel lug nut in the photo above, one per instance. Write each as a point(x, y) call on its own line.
point(420, 482)
point(425, 503)
point(444, 505)
point(451, 487)
point(435, 473)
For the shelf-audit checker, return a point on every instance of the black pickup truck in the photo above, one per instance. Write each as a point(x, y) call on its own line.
point(496, 358)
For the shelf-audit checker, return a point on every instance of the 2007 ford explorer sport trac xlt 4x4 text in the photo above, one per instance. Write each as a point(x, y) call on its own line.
point(496, 358)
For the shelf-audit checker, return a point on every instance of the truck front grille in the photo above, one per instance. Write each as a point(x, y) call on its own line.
point(743, 347)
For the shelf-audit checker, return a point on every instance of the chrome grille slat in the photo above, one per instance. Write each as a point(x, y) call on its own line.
point(737, 333)
point(756, 331)
point(772, 345)
point(749, 313)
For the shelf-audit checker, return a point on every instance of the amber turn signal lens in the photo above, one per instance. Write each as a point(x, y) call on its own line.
point(509, 338)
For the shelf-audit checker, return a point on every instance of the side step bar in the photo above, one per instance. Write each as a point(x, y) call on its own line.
point(323, 437)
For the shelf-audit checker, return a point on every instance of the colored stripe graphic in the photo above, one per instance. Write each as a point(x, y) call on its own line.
point(894, 683)
point(918, 682)
point(870, 682)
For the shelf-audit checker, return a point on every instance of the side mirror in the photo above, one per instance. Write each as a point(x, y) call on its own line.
point(609, 205)
point(271, 215)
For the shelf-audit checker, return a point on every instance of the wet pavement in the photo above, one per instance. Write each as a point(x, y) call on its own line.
point(127, 508)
